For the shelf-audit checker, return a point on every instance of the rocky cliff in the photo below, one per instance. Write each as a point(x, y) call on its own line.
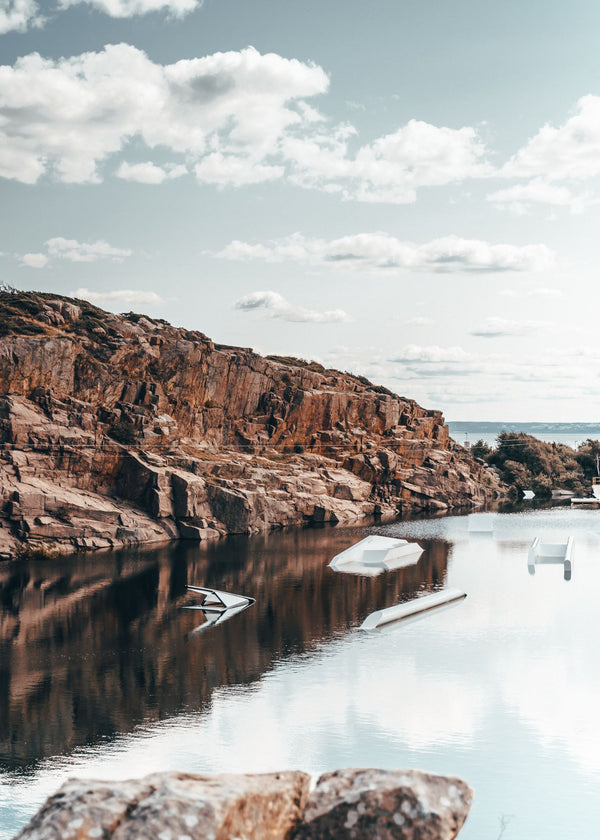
point(120, 429)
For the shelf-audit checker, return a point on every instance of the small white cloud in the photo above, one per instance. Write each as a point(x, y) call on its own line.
point(501, 327)
point(385, 253)
point(276, 306)
point(538, 191)
point(126, 296)
point(34, 260)
point(71, 249)
point(130, 8)
point(18, 15)
point(430, 354)
point(419, 321)
point(235, 170)
point(150, 173)
point(540, 292)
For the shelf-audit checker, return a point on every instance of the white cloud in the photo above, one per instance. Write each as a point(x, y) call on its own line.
point(67, 116)
point(71, 249)
point(238, 118)
point(276, 306)
point(60, 248)
point(34, 260)
point(392, 167)
point(538, 191)
point(383, 252)
point(150, 173)
point(18, 15)
point(539, 291)
point(419, 321)
point(499, 327)
point(129, 8)
point(571, 151)
point(234, 170)
point(431, 354)
point(127, 296)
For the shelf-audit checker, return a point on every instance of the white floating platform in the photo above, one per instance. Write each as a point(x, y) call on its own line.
point(589, 501)
point(557, 554)
point(415, 607)
point(376, 554)
point(218, 606)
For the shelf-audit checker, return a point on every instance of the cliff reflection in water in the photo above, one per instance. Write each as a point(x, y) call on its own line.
point(94, 645)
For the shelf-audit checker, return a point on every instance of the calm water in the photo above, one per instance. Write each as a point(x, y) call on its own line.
point(103, 676)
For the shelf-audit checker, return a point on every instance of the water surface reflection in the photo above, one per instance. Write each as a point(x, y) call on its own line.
point(101, 677)
point(95, 645)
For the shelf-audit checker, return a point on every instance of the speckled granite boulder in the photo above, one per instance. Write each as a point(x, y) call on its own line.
point(385, 804)
point(174, 806)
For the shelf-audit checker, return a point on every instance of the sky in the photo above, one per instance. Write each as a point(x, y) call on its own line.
point(407, 189)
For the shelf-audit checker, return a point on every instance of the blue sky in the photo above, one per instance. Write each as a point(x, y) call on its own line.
point(407, 190)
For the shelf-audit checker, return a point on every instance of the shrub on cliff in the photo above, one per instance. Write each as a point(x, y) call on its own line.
point(529, 463)
point(588, 458)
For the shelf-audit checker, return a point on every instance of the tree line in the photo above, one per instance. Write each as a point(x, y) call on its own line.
point(526, 463)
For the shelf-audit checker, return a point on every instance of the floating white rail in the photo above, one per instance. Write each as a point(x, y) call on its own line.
point(418, 605)
point(559, 554)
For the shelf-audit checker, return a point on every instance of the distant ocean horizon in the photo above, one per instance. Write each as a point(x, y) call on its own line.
point(571, 434)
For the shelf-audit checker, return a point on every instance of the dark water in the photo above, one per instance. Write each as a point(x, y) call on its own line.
point(102, 674)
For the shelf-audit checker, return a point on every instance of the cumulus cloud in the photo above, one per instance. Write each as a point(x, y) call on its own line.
point(67, 116)
point(18, 15)
point(237, 118)
point(150, 173)
point(431, 354)
point(571, 151)
point(520, 197)
point(126, 296)
point(392, 167)
point(34, 260)
point(500, 327)
point(383, 252)
point(59, 248)
point(71, 249)
point(275, 305)
point(129, 8)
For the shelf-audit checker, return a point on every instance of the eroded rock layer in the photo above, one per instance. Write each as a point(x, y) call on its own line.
point(122, 429)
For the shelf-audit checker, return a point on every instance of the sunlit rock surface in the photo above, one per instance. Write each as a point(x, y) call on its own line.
point(116, 430)
point(171, 806)
point(345, 805)
point(385, 804)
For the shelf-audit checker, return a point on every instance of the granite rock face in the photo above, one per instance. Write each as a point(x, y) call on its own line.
point(345, 805)
point(386, 804)
point(122, 429)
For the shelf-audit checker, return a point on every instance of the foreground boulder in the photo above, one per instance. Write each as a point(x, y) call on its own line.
point(385, 804)
point(345, 805)
point(173, 806)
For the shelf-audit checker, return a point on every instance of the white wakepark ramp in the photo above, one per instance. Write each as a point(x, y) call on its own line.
point(376, 554)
